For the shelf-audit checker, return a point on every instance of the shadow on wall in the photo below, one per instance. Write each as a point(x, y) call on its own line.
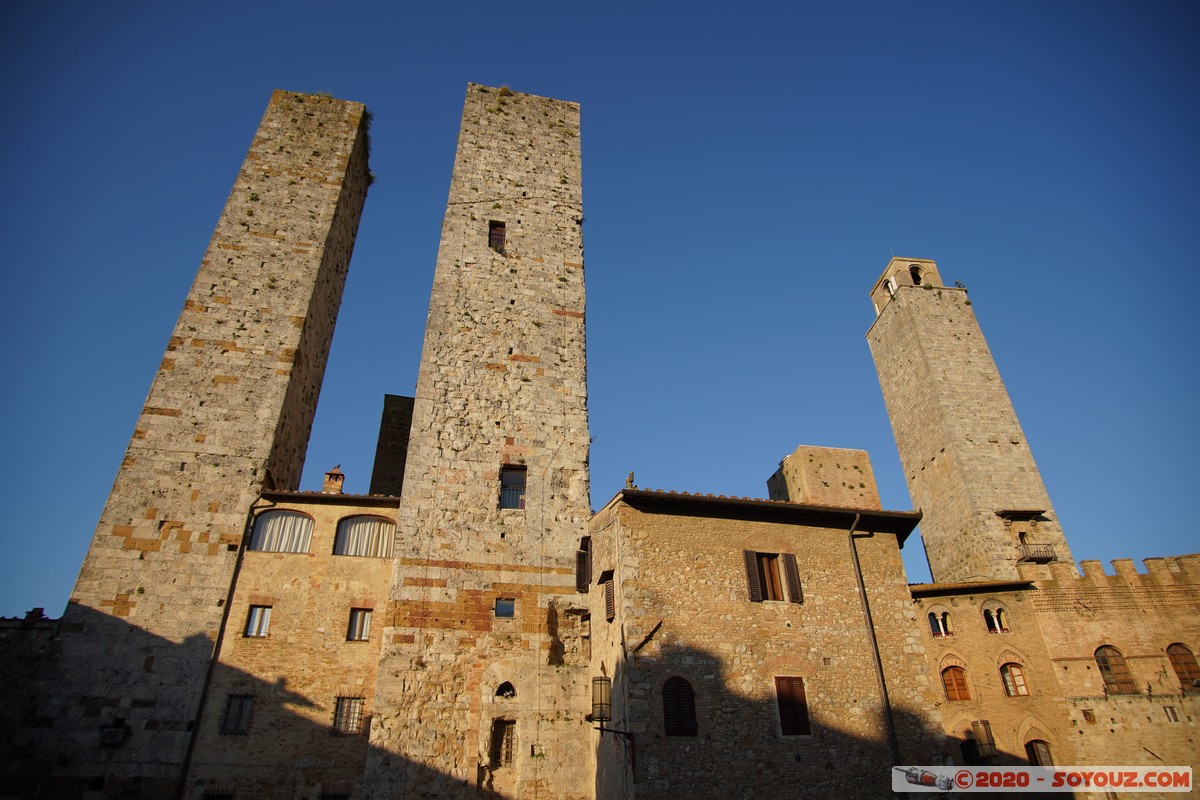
point(734, 746)
point(258, 739)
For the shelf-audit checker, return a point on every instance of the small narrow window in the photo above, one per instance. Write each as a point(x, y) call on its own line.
point(1014, 680)
point(348, 715)
point(504, 736)
point(793, 706)
point(237, 714)
point(1172, 714)
point(1183, 661)
point(610, 599)
point(1037, 752)
point(583, 565)
point(360, 625)
point(512, 487)
point(496, 236)
point(258, 622)
point(1114, 671)
point(281, 532)
point(954, 681)
point(915, 272)
point(506, 607)
point(679, 707)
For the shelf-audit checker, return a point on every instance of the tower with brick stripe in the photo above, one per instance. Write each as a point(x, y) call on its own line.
point(966, 460)
point(483, 680)
point(228, 415)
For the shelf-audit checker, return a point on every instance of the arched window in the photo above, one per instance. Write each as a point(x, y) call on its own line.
point(281, 532)
point(679, 708)
point(1114, 671)
point(1038, 753)
point(1014, 680)
point(939, 624)
point(506, 691)
point(364, 536)
point(1183, 661)
point(915, 272)
point(996, 620)
point(954, 679)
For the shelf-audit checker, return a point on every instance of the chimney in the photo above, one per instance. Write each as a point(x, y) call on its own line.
point(333, 481)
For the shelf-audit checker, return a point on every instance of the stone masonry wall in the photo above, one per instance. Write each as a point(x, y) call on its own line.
point(683, 610)
point(502, 383)
point(296, 672)
point(826, 476)
point(964, 454)
point(233, 397)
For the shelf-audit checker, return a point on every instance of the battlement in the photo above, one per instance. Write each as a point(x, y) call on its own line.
point(1166, 571)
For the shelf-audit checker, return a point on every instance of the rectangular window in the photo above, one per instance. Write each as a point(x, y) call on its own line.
point(610, 599)
point(348, 715)
point(583, 565)
point(360, 625)
point(504, 735)
point(506, 607)
point(237, 713)
point(1172, 714)
point(793, 706)
point(763, 576)
point(512, 487)
point(258, 622)
point(496, 236)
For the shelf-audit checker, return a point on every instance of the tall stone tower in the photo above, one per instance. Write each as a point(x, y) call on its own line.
point(483, 680)
point(228, 415)
point(967, 462)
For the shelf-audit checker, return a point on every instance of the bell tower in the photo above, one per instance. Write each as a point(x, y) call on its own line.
point(966, 460)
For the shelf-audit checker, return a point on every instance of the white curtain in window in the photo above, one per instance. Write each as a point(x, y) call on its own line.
point(282, 532)
point(364, 536)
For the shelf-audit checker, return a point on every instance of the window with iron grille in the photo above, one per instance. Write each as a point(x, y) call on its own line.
point(504, 736)
point(360, 625)
point(496, 236)
point(258, 622)
point(1114, 671)
point(679, 707)
point(954, 681)
point(793, 706)
point(348, 715)
point(512, 487)
point(763, 576)
point(238, 708)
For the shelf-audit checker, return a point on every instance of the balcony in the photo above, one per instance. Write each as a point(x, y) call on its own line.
point(1037, 553)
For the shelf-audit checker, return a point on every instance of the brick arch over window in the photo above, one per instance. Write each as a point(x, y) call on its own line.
point(1183, 661)
point(364, 535)
point(679, 707)
point(281, 531)
point(954, 682)
point(1114, 671)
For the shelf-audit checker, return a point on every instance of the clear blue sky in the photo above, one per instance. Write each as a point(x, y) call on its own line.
point(748, 170)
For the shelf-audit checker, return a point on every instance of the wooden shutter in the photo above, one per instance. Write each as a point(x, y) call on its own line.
point(679, 708)
point(792, 575)
point(610, 602)
point(752, 581)
point(793, 706)
point(582, 569)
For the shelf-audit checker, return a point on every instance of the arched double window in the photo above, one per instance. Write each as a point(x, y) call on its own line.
point(996, 619)
point(679, 707)
point(364, 536)
point(281, 532)
point(954, 681)
point(1183, 661)
point(939, 624)
point(1013, 676)
point(1114, 671)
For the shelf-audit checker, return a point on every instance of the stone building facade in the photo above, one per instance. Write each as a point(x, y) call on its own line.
point(471, 628)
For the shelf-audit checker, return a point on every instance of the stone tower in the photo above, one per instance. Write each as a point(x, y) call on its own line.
point(228, 415)
point(483, 679)
point(967, 462)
